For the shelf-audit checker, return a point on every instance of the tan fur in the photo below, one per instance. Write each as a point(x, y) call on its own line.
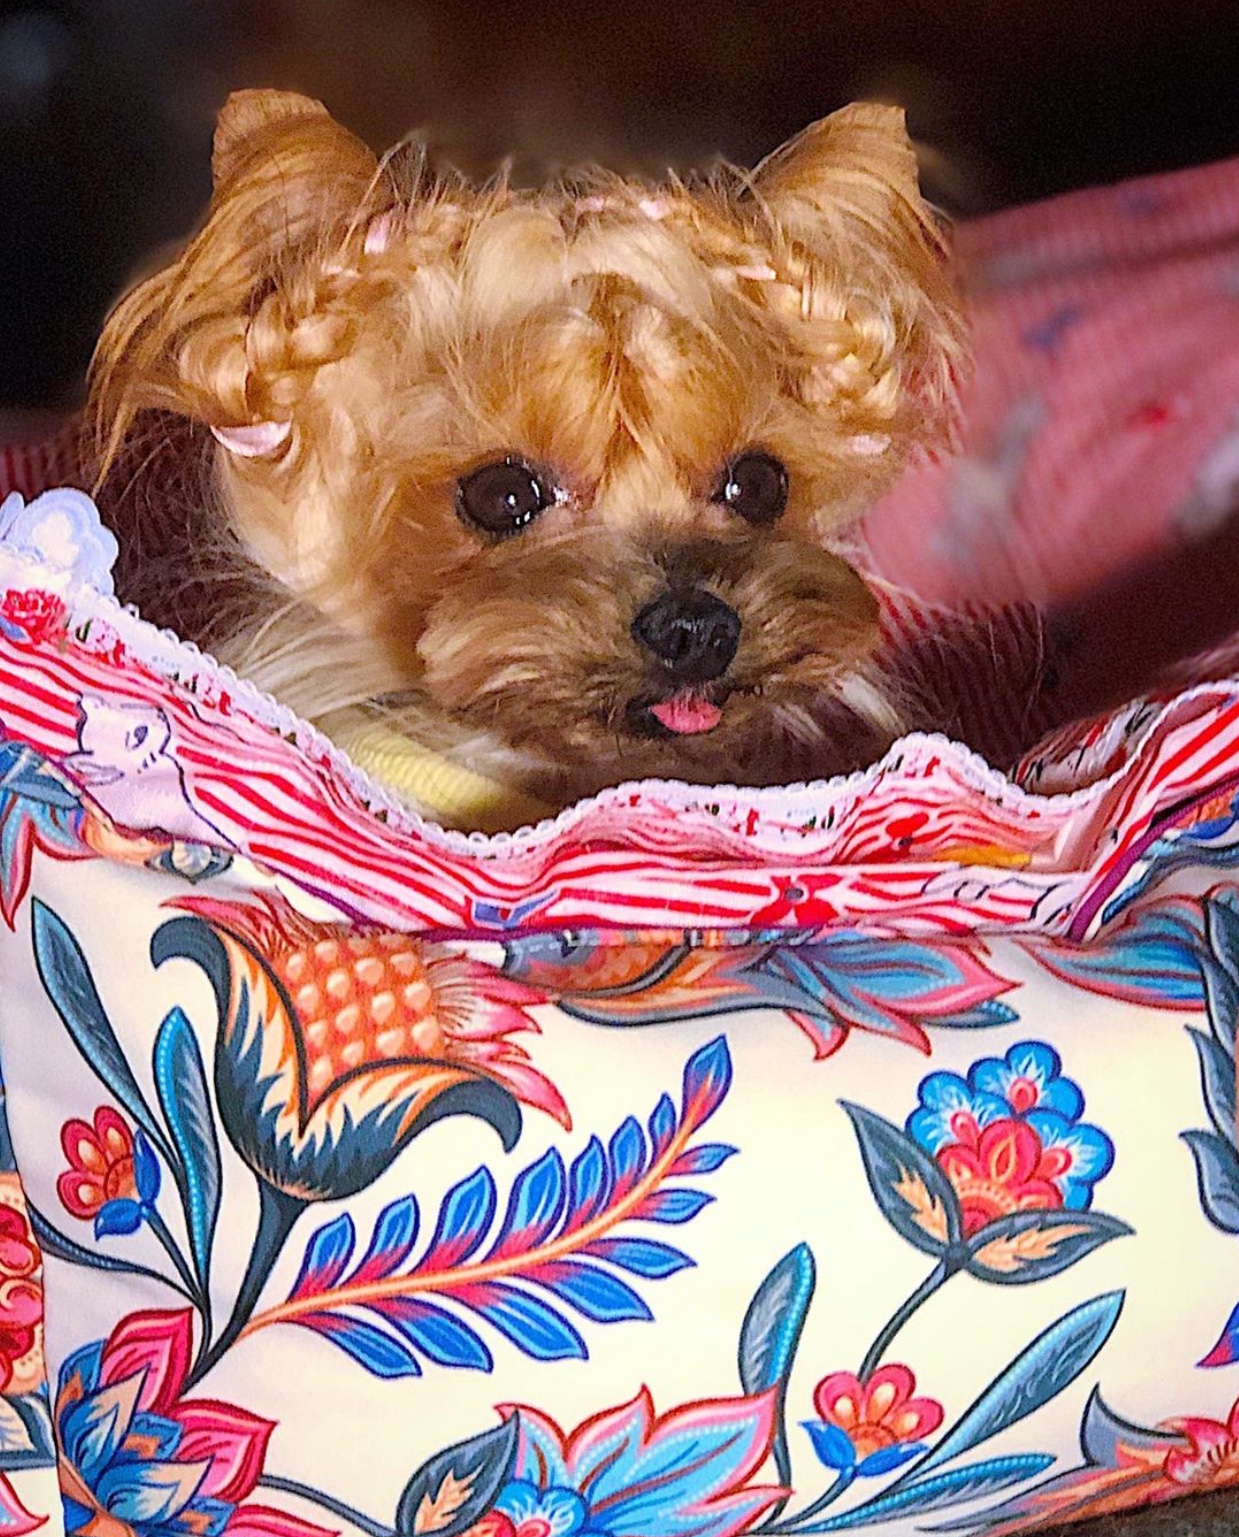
point(388, 330)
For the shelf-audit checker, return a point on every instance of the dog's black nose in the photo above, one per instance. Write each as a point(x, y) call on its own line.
point(694, 632)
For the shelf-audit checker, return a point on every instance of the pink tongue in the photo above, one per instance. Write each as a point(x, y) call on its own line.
point(687, 714)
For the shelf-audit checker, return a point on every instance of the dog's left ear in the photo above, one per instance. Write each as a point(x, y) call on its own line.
point(869, 261)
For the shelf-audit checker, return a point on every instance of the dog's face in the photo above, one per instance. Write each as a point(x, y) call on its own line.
point(570, 462)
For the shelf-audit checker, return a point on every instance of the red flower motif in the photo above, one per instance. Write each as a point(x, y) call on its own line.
point(1000, 1169)
point(798, 903)
point(1212, 1458)
point(40, 614)
point(100, 1164)
point(21, 1297)
point(878, 1412)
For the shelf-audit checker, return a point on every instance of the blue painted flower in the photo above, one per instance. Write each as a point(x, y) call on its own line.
point(1028, 1080)
point(554, 1512)
point(1009, 1135)
point(139, 1460)
point(62, 528)
point(629, 1472)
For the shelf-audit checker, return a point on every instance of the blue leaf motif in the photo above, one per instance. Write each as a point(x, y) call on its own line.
point(663, 1122)
point(592, 1291)
point(533, 1326)
point(68, 982)
point(946, 1489)
point(536, 1203)
point(1039, 1373)
point(326, 1257)
point(833, 1446)
point(887, 1458)
point(379, 1352)
point(770, 1337)
point(1217, 1178)
point(393, 1239)
point(558, 1251)
point(464, 1220)
point(707, 1078)
point(674, 1207)
point(118, 1219)
point(145, 1168)
point(628, 1152)
point(589, 1181)
point(1150, 956)
point(434, 1333)
point(640, 1256)
point(181, 1084)
point(704, 1159)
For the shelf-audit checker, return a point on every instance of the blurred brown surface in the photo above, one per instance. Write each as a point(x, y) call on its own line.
point(106, 106)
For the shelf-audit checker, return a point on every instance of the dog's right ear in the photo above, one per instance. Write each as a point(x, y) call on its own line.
point(233, 332)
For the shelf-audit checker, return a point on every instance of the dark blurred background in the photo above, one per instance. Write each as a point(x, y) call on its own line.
point(106, 107)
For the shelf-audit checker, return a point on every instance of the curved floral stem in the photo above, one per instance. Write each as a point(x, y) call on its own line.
point(325, 1502)
point(941, 1273)
point(159, 1229)
point(277, 1212)
point(843, 1482)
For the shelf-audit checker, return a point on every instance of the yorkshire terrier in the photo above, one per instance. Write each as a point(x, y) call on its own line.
point(553, 482)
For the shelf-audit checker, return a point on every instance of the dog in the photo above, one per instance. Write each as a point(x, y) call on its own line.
point(555, 482)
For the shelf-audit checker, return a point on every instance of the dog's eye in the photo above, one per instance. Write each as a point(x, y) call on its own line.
point(502, 498)
point(754, 486)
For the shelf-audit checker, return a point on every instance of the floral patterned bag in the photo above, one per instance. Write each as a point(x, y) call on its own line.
point(700, 1163)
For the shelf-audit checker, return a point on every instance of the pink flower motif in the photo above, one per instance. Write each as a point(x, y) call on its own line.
point(100, 1159)
point(1212, 1458)
point(39, 614)
point(875, 1415)
point(1001, 1169)
point(138, 1460)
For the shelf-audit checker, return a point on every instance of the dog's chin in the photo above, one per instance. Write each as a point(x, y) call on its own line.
point(712, 734)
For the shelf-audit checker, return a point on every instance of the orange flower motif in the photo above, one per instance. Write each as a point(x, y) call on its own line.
point(869, 1427)
point(337, 1043)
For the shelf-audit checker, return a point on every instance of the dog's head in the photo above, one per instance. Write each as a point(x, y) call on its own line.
point(571, 462)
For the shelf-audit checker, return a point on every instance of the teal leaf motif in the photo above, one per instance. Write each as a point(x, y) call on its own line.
point(770, 1336)
point(181, 1083)
point(913, 1193)
point(67, 980)
point(944, 1490)
point(1067, 1236)
point(1039, 1373)
point(456, 1487)
point(1217, 1178)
